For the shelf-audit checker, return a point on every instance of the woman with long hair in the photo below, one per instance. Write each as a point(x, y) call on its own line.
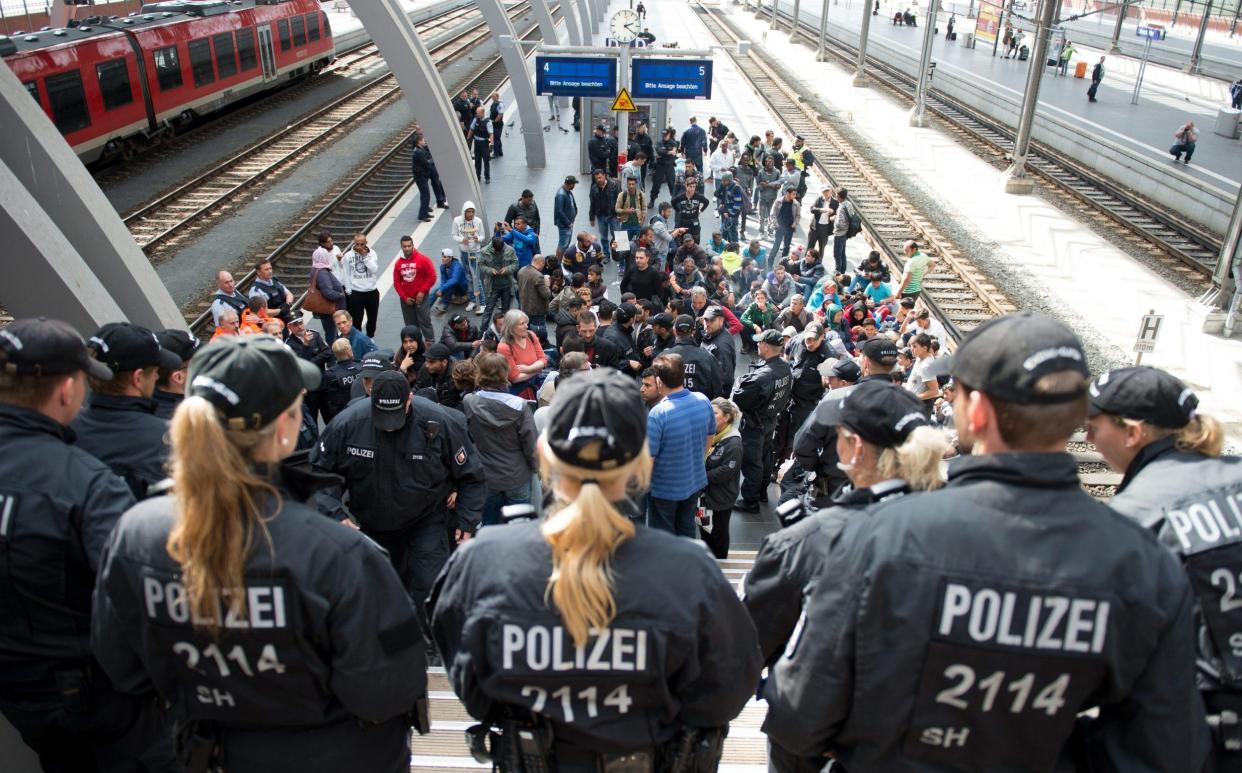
point(608, 639)
point(525, 354)
point(281, 639)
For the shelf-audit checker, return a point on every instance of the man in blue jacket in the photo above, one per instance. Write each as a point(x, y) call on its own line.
point(522, 237)
point(693, 143)
point(564, 212)
point(453, 281)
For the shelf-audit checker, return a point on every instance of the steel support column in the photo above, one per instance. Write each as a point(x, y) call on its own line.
point(90, 270)
point(590, 22)
point(860, 71)
point(519, 79)
point(1114, 46)
point(917, 114)
point(772, 26)
point(1229, 247)
point(1196, 55)
point(821, 51)
point(547, 25)
point(1017, 180)
point(574, 26)
point(425, 92)
point(797, 13)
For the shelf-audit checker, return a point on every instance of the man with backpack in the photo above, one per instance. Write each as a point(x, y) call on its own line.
point(846, 225)
point(496, 114)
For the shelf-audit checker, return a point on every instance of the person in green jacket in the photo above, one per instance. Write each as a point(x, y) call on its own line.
point(756, 319)
point(498, 265)
point(1067, 53)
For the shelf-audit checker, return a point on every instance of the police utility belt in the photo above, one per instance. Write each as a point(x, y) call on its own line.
point(525, 743)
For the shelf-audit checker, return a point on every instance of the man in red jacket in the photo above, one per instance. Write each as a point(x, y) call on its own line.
point(413, 276)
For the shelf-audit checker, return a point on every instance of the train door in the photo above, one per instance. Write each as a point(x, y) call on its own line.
point(267, 54)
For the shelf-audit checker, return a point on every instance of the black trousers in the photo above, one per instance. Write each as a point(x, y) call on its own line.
point(482, 160)
point(718, 538)
point(498, 148)
point(425, 187)
point(79, 724)
point(660, 177)
point(1095, 86)
point(781, 760)
point(501, 297)
point(756, 460)
point(418, 553)
point(821, 233)
point(365, 302)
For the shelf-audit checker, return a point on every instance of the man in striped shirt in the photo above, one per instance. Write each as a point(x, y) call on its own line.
point(678, 428)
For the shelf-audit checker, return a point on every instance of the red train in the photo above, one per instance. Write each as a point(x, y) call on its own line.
point(116, 85)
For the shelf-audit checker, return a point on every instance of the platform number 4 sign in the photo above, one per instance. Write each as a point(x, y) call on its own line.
point(1149, 331)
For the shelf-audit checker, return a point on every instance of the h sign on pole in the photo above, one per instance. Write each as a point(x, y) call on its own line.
point(1149, 331)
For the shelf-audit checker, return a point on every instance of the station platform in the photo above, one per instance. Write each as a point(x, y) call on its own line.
point(1126, 142)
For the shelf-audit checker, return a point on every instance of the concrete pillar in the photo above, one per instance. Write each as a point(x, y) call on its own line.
point(519, 79)
point(573, 24)
point(1196, 55)
point(918, 114)
point(797, 13)
point(92, 272)
point(423, 89)
point(1016, 179)
point(1114, 47)
point(587, 14)
point(547, 26)
point(821, 52)
point(860, 72)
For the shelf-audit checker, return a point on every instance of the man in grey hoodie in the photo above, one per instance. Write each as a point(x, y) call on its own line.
point(503, 428)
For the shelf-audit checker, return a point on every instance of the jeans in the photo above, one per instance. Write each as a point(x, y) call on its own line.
point(606, 226)
point(471, 261)
point(728, 227)
point(497, 499)
point(838, 252)
point(420, 314)
point(1183, 147)
point(554, 111)
point(784, 233)
point(503, 295)
point(673, 516)
point(564, 235)
point(329, 328)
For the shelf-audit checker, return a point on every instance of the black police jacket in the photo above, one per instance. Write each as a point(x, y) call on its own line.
point(1193, 503)
point(666, 155)
point(789, 562)
point(317, 351)
point(969, 627)
point(701, 371)
point(763, 393)
point(680, 651)
point(58, 504)
point(328, 641)
point(396, 480)
point(815, 442)
point(337, 388)
point(125, 434)
point(166, 403)
point(721, 347)
point(808, 385)
point(602, 352)
point(624, 345)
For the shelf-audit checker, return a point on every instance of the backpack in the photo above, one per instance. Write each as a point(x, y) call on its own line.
point(855, 225)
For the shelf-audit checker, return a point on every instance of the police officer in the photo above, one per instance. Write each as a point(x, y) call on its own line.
point(401, 457)
point(281, 640)
point(889, 450)
point(1147, 425)
point(373, 364)
point(338, 380)
point(815, 445)
point(806, 353)
point(58, 504)
point(718, 341)
point(983, 620)
point(118, 425)
point(170, 384)
point(702, 373)
point(602, 643)
point(762, 395)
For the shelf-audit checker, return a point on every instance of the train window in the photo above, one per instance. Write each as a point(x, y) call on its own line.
point(200, 62)
point(312, 27)
point(226, 58)
point(327, 27)
point(33, 88)
point(68, 101)
point(245, 49)
point(283, 26)
point(114, 83)
point(299, 31)
point(168, 68)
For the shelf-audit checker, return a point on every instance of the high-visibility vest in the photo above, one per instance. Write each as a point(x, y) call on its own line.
point(798, 161)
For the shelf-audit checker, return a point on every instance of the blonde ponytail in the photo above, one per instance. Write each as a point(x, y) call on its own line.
point(583, 535)
point(217, 512)
point(916, 461)
point(1203, 435)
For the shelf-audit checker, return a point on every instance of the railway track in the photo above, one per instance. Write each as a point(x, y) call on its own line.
point(957, 293)
point(1164, 235)
point(383, 179)
point(209, 196)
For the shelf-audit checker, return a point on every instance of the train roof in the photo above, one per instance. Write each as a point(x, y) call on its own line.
point(152, 14)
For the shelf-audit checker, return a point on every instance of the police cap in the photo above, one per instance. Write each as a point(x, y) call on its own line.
point(598, 421)
point(880, 350)
point(376, 363)
point(389, 393)
point(684, 323)
point(438, 351)
point(770, 337)
point(46, 347)
point(123, 347)
point(879, 412)
point(250, 379)
point(847, 370)
point(183, 343)
point(1005, 357)
point(1143, 394)
point(625, 312)
point(663, 319)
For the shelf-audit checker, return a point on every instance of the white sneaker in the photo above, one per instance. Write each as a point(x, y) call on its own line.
point(479, 311)
point(470, 306)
